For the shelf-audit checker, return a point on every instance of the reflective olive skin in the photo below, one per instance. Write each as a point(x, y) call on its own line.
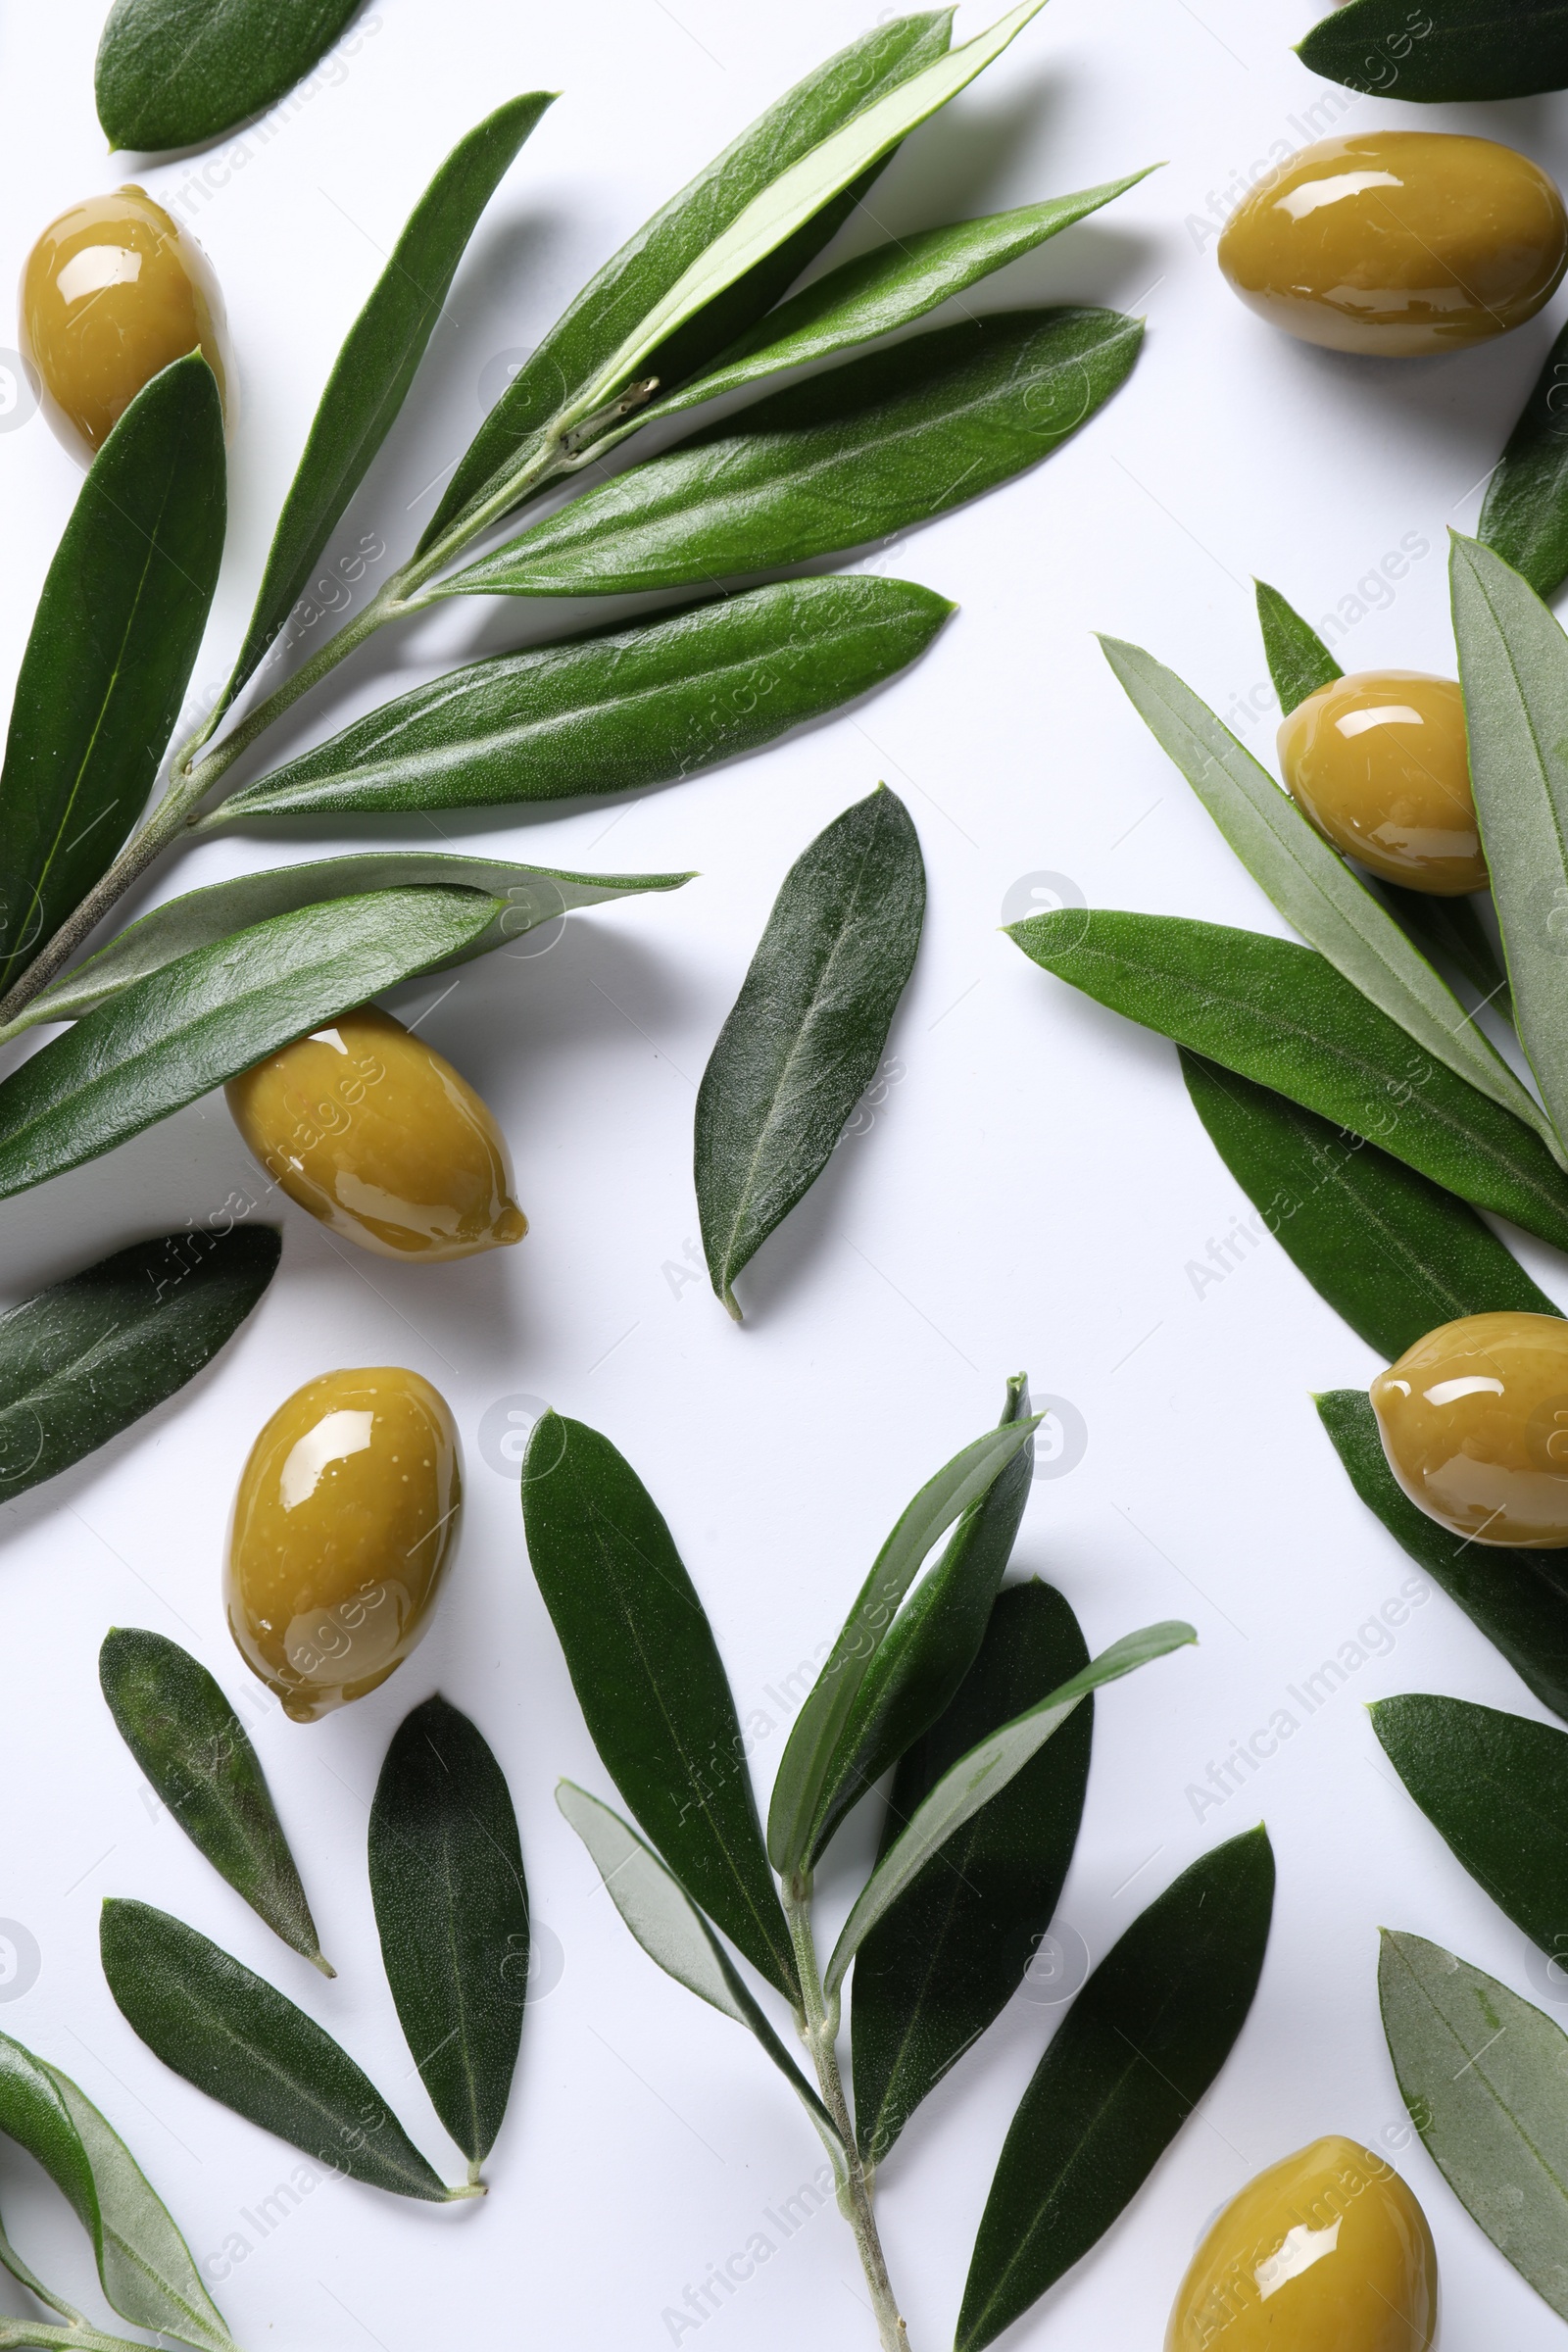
point(344, 1523)
point(1474, 1420)
point(113, 292)
point(1325, 2252)
point(1379, 763)
point(1399, 243)
point(366, 1127)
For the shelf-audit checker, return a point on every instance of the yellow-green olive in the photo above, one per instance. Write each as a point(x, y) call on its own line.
point(1379, 763)
point(113, 292)
point(1474, 1420)
point(1325, 2252)
point(343, 1527)
point(366, 1127)
point(1397, 243)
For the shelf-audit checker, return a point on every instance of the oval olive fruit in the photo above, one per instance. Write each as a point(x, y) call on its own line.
point(113, 292)
point(1327, 2251)
point(344, 1523)
point(366, 1127)
point(1474, 1421)
point(1380, 763)
point(1399, 243)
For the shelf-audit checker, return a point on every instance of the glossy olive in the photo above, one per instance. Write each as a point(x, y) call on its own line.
point(1474, 1420)
point(1327, 2251)
point(1399, 243)
point(1380, 763)
point(343, 1526)
point(369, 1129)
point(113, 292)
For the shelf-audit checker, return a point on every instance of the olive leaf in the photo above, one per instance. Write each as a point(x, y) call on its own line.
point(1299, 660)
point(1282, 1014)
point(1451, 932)
point(233, 2035)
point(1494, 1787)
point(1524, 514)
point(1485, 2076)
point(932, 1643)
point(179, 72)
point(614, 711)
point(193, 1748)
point(804, 1038)
point(111, 653)
point(869, 449)
point(1392, 1253)
point(1519, 1599)
point(145, 2267)
point(947, 1957)
point(83, 1359)
point(805, 1785)
point(1313, 887)
point(190, 1025)
point(1445, 50)
point(982, 1773)
point(451, 1913)
point(553, 377)
point(375, 367)
point(649, 1680)
point(1137, 2051)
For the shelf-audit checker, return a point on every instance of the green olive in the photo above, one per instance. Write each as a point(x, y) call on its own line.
point(1380, 763)
point(1325, 2252)
point(1397, 243)
point(343, 1527)
point(366, 1127)
point(113, 292)
point(1474, 1420)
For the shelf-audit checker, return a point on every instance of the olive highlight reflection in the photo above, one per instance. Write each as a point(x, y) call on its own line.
point(113, 292)
point(1399, 243)
point(1474, 1422)
point(1380, 764)
point(1327, 2251)
point(344, 1524)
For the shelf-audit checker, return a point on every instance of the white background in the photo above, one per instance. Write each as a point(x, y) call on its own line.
point(1032, 1193)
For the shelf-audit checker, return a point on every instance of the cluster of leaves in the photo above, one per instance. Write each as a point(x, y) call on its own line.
point(451, 1912)
point(1443, 50)
point(976, 1697)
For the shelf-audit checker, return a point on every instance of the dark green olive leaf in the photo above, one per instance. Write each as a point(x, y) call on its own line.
point(233, 2035)
point(83, 1359)
point(146, 2267)
point(113, 644)
point(179, 72)
point(1392, 1253)
point(1138, 2049)
point(374, 369)
point(614, 711)
point(1485, 2076)
point(198, 1022)
point(451, 1912)
point(651, 263)
point(933, 1641)
point(859, 453)
point(1444, 50)
point(1519, 1599)
point(650, 1681)
point(1313, 886)
point(1282, 1014)
point(528, 895)
point(1451, 931)
point(981, 1775)
point(1299, 660)
point(802, 1040)
point(1524, 515)
point(192, 1747)
point(802, 1786)
point(1495, 1788)
point(947, 1957)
